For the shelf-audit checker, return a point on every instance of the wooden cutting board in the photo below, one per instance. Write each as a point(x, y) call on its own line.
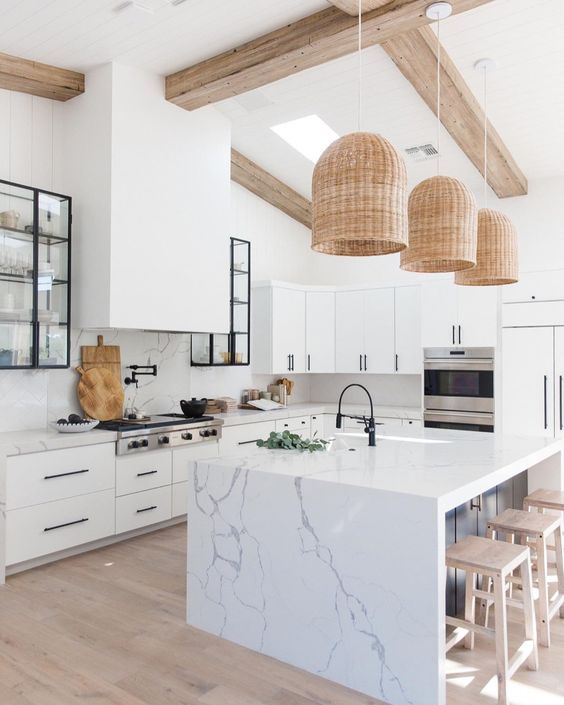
point(100, 394)
point(107, 356)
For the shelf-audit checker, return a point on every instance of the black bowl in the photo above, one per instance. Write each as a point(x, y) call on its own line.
point(193, 408)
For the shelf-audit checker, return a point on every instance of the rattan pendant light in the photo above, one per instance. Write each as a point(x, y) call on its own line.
point(442, 211)
point(359, 192)
point(497, 255)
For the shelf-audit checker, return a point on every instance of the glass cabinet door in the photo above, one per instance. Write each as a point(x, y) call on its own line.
point(52, 279)
point(16, 276)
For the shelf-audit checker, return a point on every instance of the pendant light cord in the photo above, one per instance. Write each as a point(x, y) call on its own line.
point(438, 96)
point(485, 137)
point(359, 64)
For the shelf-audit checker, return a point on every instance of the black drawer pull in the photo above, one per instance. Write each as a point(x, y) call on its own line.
point(245, 443)
point(149, 472)
point(147, 509)
point(69, 523)
point(66, 474)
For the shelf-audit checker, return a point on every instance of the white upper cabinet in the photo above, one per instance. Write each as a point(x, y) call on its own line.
point(151, 210)
point(409, 355)
point(349, 335)
point(459, 315)
point(320, 331)
point(536, 286)
point(379, 344)
point(278, 329)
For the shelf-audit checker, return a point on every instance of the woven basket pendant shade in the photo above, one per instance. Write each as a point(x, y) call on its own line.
point(497, 260)
point(443, 224)
point(359, 198)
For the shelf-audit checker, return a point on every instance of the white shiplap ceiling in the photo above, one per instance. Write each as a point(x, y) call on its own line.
point(526, 96)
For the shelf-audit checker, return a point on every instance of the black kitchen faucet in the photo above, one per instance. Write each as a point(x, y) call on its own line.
point(369, 423)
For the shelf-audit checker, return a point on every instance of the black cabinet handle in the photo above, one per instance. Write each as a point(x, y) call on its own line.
point(246, 443)
point(289, 363)
point(460, 335)
point(560, 401)
point(292, 356)
point(396, 362)
point(68, 523)
point(365, 363)
point(453, 340)
point(147, 509)
point(360, 358)
point(148, 472)
point(308, 362)
point(476, 504)
point(66, 474)
point(545, 403)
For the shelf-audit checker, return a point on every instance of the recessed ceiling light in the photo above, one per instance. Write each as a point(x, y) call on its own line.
point(309, 135)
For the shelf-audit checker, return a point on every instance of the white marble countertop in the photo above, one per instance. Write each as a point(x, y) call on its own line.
point(450, 467)
point(41, 439)
point(243, 416)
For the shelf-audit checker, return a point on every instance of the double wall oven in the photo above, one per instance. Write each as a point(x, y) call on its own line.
point(459, 388)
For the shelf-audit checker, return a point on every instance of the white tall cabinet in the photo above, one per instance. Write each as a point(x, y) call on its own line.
point(320, 331)
point(407, 308)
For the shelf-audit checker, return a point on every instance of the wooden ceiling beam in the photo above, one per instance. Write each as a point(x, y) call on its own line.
point(258, 181)
point(351, 6)
point(26, 76)
point(415, 54)
point(300, 45)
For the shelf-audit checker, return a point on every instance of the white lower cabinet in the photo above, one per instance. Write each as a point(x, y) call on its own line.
point(134, 511)
point(241, 440)
point(179, 499)
point(44, 477)
point(183, 457)
point(143, 471)
point(317, 426)
point(417, 423)
point(54, 526)
point(297, 424)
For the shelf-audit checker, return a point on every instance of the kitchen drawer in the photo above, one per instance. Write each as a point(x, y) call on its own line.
point(317, 426)
point(57, 474)
point(179, 498)
point(182, 457)
point(54, 526)
point(143, 508)
point(241, 440)
point(143, 471)
point(295, 424)
point(414, 423)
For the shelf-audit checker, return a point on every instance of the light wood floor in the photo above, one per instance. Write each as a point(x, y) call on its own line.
point(107, 628)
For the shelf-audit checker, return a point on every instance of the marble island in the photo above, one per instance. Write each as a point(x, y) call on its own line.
point(334, 562)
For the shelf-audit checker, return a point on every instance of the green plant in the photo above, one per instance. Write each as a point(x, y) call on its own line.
point(292, 441)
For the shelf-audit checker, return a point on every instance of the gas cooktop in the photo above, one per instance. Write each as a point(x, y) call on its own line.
point(157, 421)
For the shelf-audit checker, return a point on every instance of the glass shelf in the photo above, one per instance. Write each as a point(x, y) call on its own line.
point(233, 348)
point(35, 228)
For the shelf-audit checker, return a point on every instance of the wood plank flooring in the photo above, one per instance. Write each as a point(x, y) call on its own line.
point(107, 628)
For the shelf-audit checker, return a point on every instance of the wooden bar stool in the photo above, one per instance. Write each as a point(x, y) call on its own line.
point(497, 560)
point(534, 529)
point(543, 500)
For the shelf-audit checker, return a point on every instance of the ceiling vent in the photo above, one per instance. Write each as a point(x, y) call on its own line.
point(422, 153)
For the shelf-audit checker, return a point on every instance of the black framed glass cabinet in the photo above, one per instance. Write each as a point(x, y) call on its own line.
point(35, 251)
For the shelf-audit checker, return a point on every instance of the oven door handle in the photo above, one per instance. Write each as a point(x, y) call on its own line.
point(460, 365)
point(474, 417)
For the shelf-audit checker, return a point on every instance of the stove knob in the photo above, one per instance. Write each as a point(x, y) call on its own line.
point(205, 433)
point(187, 436)
point(133, 444)
point(144, 443)
point(214, 432)
point(163, 440)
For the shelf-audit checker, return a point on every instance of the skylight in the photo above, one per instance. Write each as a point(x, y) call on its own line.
point(309, 135)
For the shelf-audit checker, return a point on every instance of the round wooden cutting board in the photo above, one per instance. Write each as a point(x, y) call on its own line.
point(100, 394)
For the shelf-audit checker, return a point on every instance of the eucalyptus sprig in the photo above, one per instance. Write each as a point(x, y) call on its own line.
point(292, 441)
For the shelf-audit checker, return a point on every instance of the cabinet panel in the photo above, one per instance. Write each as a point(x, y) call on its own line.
point(298, 424)
point(409, 353)
point(241, 440)
point(317, 426)
point(379, 345)
point(349, 331)
point(183, 457)
point(528, 400)
point(143, 508)
point(536, 286)
point(143, 471)
point(559, 382)
point(179, 498)
point(320, 331)
point(477, 316)
point(288, 330)
point(438, 315)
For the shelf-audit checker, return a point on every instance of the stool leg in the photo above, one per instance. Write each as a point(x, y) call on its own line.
point(500, 618)
point(559, 565)
point(470, 608)
point(529, 613)
point(542, 571)
point(487, 583)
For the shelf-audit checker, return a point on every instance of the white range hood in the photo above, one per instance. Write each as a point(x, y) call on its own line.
point(150, 185)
